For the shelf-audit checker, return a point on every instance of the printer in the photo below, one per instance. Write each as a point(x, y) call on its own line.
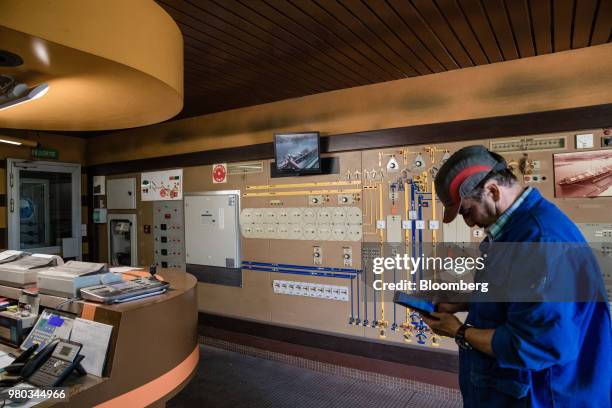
point(66, 280)
point(23, 270)
point(10, 256)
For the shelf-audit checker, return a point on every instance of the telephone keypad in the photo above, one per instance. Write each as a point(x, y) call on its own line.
point(49, 372)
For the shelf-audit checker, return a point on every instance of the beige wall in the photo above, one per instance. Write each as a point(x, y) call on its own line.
point(562, 80)
point(255, 300)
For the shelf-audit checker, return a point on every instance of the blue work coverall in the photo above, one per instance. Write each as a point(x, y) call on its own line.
point(547, 354)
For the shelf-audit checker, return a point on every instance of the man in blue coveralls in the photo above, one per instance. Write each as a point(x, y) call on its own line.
point(520, 354)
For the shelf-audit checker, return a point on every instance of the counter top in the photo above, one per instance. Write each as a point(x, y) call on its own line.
point(152, 353)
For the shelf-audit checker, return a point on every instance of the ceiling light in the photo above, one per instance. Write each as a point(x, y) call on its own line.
point(17, 141)
point(35, 93)
point(10, 142)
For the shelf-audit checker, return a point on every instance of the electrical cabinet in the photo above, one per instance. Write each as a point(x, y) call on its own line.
point(121, 194)
point(211, 229)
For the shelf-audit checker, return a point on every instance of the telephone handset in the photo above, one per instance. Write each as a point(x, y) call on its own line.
point(49, 367)
point(19, 363)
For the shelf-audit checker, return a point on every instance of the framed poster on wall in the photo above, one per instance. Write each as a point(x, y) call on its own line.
point(583, 174)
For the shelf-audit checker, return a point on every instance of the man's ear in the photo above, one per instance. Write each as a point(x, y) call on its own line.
point(493, 189)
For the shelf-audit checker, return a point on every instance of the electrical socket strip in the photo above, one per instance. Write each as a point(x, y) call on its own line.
point(315, 290)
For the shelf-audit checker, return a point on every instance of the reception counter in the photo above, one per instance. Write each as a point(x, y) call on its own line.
point(153, 352)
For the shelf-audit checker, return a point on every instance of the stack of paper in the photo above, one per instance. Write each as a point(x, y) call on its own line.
point(94, 337)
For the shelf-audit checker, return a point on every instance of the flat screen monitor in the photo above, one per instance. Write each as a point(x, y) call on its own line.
point(297, 153)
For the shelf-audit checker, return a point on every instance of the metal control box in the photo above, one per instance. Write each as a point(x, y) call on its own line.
point(121, 194)
point(169, 234)
point(212, 234)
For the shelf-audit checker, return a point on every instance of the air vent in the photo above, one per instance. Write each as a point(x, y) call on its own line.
point(245, 168)
point(8, 59)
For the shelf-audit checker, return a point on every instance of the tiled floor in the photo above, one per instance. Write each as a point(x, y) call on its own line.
point(229, 379)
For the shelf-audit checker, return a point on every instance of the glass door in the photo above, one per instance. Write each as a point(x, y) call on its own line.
point(44, 204)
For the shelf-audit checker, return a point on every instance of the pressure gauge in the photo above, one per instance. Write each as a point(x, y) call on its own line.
point(584, 141)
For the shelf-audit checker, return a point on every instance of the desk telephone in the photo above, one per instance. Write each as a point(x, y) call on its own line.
point(48, 368)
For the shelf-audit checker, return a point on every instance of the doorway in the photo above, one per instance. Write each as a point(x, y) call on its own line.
point(44, 207)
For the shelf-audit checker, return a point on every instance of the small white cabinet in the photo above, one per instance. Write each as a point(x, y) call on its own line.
point(121, 194)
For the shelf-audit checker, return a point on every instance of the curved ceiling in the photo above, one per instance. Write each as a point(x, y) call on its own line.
point(109, 65)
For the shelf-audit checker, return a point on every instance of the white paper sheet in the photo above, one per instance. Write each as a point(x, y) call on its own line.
point(94, 337)
point(5, 359)
point(7, 254)
point(122, 269)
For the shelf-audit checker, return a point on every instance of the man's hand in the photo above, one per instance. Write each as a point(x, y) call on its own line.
point(447, 325)
point(452, 308)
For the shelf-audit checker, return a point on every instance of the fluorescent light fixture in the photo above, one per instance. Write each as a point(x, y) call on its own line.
point(37, 92)
point(10, 142)
point(17, 141)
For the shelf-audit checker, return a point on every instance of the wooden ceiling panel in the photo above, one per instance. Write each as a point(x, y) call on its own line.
point(563, 14)
point(245, 52)
point(430, 12)
point(422, 29)
point(323, 37)
point(348, 37)
point(520, 20)
point(584, 17)
point(462, 29)
point(541, 25)
point(366, 34)
point(243, 32)
point(602, 29)
point(498, 17)
point(405, 34)
point(479, 21)
point(313, 44)
point(388, 37)
point(286, 39)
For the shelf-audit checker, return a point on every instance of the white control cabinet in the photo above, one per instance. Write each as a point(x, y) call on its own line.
point(212, 236)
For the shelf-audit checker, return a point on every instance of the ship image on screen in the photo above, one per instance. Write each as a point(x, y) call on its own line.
point(583, 174)
point(297, 152)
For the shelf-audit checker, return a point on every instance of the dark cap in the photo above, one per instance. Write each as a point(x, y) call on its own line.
point(461, 173)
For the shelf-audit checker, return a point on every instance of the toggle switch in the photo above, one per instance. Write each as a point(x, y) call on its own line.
point(317, 255)
point(347, 256)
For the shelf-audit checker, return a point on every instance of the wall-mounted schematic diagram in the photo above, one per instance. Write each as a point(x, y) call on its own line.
point(161, 185)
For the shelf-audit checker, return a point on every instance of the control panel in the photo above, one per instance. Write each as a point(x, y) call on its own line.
point(169, 234)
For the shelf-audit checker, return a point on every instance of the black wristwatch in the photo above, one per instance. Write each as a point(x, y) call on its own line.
point(460, 337)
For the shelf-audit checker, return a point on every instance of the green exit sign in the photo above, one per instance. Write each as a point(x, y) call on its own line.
point(42, 153)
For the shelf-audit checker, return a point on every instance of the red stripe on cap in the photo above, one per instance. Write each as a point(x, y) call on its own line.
point(461, 177)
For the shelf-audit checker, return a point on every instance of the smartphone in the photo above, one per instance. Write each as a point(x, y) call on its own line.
point(422, 306)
